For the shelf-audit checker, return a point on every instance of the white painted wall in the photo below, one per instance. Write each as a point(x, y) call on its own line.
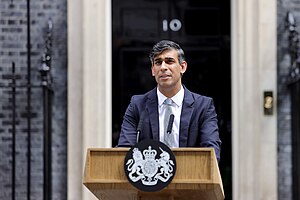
point(253, 72)
point(89, 86)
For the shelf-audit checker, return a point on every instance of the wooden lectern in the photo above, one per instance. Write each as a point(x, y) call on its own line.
point(197, 176)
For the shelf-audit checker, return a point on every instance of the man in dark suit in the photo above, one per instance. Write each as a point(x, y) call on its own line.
point(195, 118)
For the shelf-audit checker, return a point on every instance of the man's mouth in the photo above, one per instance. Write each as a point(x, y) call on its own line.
point(164, 76)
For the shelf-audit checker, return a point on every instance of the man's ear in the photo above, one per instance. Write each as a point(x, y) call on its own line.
point(152, 71)
point(183, 66)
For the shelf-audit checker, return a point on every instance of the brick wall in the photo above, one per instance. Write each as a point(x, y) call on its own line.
point(13, 48)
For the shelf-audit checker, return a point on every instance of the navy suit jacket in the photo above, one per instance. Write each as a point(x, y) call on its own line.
point(198, 121)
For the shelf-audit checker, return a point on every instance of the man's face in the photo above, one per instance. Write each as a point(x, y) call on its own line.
point(167, 70)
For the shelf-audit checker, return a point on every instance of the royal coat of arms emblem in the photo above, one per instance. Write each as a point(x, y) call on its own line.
point(150, 168)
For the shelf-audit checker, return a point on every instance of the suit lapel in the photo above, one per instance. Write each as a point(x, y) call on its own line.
point(186, 114)
point(152, 107)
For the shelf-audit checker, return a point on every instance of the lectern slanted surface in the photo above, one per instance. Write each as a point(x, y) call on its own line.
point(197, 175)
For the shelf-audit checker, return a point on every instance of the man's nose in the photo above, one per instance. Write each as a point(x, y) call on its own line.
point(164, 65)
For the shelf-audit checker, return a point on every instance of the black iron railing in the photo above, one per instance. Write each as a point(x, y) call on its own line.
point(12, 88)
point(28, 99)
point(47, 112)
point(294, 85)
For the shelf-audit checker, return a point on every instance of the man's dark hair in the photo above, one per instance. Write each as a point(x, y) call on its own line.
point(163, 45)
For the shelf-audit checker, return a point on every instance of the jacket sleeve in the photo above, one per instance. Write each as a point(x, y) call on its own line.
point(209, 129)
point(128, 129)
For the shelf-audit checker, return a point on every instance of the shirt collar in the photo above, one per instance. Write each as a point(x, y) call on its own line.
point(177, 98)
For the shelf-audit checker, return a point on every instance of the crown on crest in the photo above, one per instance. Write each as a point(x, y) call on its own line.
point(149, 154)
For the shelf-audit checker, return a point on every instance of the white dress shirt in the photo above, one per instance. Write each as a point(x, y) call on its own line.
point(177, 99)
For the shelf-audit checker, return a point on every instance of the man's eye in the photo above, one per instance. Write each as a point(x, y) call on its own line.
point(157, 62)
point(169, 61)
